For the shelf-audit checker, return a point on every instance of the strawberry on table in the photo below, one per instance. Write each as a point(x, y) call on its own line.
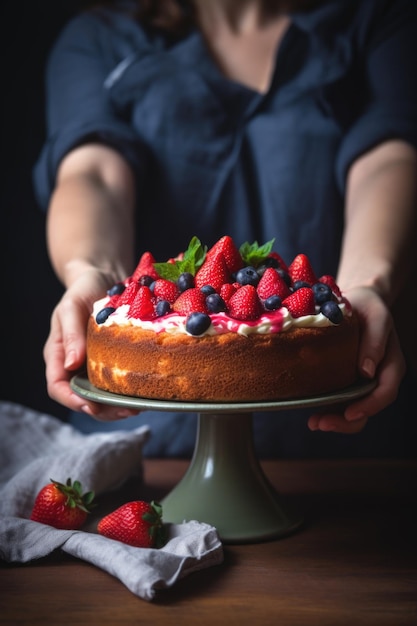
point(62, 505)
point(136, 523)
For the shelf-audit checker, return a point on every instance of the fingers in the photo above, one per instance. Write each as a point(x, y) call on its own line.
point(353, 418)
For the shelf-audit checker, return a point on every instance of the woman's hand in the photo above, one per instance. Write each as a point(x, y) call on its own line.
point(65, 348)
point(380, 357)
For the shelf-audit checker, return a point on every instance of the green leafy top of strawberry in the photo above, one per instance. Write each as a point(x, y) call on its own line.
point(192, 260)
point(74, 494)
point(253, 254)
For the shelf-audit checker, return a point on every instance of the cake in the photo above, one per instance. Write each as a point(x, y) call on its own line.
point(224, 324)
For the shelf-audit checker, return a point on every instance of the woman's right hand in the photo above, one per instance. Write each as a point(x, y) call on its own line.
point(65, 347)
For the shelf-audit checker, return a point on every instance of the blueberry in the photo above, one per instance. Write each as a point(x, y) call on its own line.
point(215, 303)
point(285, 277)
point(301, 283)
point(116, 290)
point(146, 280)
point(163, 307)
point(332, 311)
point(207, 290)
point(197, 323)
point(185, 281)
point(104, 314)
point(273, 303)
point(270, 261)
point(248, 276)
point(322, 293)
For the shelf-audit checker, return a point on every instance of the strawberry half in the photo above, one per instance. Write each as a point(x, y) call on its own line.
point(245, 304)
point(62, 505)
point(164, 289)
point(230, 252)
point(301, 269)
point(214, 272)
point(129, 294)
point(190, 301)
point(301, 302)
point(143, 306)
point(145, 267)
point(272, 284)
point(136, 523)
point(330, 281)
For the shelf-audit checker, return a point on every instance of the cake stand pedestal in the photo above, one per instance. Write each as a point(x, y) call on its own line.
point(225, 485)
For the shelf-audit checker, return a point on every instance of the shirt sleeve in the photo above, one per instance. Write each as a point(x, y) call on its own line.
point(391, 83)
point(78, 106)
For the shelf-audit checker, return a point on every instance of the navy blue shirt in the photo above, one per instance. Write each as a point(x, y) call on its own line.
point(213, 157)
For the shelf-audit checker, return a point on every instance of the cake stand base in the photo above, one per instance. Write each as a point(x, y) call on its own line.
point(226, 487)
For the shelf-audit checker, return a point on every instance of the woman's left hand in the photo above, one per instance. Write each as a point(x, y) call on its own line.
point(380, 357)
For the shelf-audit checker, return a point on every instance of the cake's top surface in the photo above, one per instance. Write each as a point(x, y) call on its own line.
point(223, 289)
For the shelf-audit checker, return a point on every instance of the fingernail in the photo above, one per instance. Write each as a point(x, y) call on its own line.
point(368, 367)
point(86, 409)
point(124, 413)
point(70, 358)
point(352, 417)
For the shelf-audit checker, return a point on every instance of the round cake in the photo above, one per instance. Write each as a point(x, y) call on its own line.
point(226, 324)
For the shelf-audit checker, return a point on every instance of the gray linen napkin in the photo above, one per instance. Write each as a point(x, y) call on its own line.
point(34, 448)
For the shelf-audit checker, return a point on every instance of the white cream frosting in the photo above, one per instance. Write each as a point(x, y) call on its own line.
point(273, 322)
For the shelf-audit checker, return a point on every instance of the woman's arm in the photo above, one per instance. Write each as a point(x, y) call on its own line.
point(379, 238)
point(90, 235)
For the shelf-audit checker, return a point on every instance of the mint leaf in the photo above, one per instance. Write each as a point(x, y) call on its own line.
point(253, 254)
point(193, 259)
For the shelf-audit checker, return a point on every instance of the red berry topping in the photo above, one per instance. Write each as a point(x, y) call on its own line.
point(245, 304)
point(301, 302)
point(301, 269)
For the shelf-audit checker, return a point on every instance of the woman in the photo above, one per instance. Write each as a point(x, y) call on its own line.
point(293, 120)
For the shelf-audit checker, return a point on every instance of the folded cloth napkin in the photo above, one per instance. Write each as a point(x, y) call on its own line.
point(34, 448)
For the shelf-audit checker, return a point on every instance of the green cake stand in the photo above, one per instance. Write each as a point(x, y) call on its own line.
point(225, 485)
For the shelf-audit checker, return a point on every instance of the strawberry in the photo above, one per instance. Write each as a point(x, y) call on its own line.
point(129, 293)
point(227, 290)
point(62, 506)
point(190, 301)
point(245, 304)
point(227, 247)
point(214, 272)
point(164, 289)
point(279, 259)
point(142, 306)
point(136, 523)
point(272, 284)
point(145, 267)
point(301, 302)
point(330, 281)
point(301, 269)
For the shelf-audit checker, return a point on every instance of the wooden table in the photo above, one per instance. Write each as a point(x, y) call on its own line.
point(353, 562)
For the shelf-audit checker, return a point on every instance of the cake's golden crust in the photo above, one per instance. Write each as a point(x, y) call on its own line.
point(223, 368)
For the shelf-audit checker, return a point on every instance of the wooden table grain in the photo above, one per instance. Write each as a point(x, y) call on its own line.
point(353, 562)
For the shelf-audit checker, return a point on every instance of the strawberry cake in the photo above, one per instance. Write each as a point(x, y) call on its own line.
point(224, 324)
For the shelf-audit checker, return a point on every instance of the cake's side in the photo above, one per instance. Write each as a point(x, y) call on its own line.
point(222, 368)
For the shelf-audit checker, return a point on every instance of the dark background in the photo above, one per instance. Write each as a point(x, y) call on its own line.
point(29, 286)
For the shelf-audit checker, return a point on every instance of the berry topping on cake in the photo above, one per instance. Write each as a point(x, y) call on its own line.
point(301, 269)
point(190, 301)
point(224, 284)
point(301, 302)
point(245, 304)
